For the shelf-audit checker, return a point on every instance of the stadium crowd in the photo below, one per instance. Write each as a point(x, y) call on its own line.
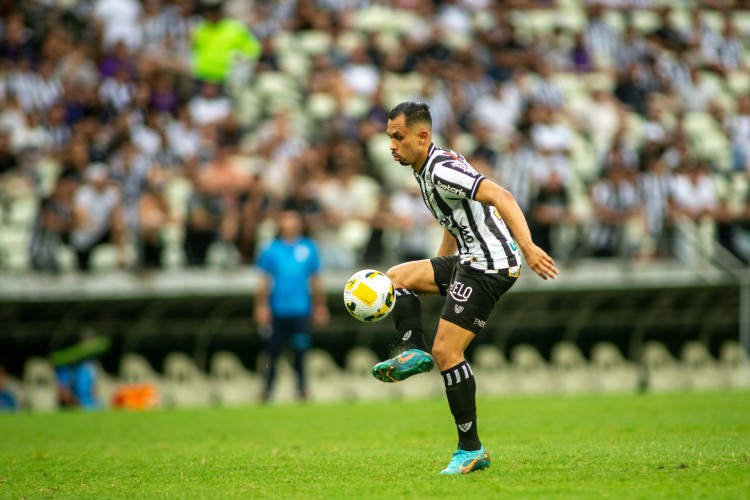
point(173, 130)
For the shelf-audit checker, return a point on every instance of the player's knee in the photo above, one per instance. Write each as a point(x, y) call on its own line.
point(397, 276)
point(445, 357)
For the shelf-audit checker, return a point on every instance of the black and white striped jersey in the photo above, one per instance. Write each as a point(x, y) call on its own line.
point(449, 185)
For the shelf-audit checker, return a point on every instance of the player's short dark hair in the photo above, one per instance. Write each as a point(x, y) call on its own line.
point(414, 112)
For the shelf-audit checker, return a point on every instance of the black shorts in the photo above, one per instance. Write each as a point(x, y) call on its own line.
point(470, 294)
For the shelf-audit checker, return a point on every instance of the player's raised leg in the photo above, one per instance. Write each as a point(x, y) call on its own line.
point(460, 387)
point(410, 280)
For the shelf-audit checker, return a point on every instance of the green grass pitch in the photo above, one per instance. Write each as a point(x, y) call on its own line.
point(629, 446)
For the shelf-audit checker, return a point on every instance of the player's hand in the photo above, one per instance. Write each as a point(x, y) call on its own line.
point(262, 314)
point(540, 262)
point(321, 316)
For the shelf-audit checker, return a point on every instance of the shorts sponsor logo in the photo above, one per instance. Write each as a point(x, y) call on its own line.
point(480, 323)
point(458, 309)
point(460, 292)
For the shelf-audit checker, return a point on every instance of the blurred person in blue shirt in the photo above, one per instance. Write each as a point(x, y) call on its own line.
point(290, 295)
point(76, 384)
point(7, 398)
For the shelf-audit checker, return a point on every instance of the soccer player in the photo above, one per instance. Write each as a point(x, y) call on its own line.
point(290, 293)
point(478, 261)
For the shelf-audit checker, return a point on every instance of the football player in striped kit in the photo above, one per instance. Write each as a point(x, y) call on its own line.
point(479, 259)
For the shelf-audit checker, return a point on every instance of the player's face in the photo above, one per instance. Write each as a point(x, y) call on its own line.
point(407, 146)
point(290, 224)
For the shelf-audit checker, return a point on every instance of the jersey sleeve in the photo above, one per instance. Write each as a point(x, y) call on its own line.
point(457, 178)
point(314, 262)
point(265, 261)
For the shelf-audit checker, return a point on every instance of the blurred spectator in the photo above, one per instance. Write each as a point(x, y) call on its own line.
point(549, 211)
point(484, 67)
point(694, 192)
point(18, 40)
point(53, 225)
point(77, 371)
point(209, 107)
point(255, 206)
point(737, 128)
point(615, 202)
point(350, 200)
point(117, 92)
point(290, 298)
point(98, 216)
point(517, 169)
point(219, 43)
point(129, 169)
point(553, 138)
point(655, 185)
point(153, 216)
point(602, 41)
point(9, 168)
point(697, 209)
point(118, 22)
point(411, 219)
point(545, 91)
point(77, 68)
point(204, 217)
point(8, 401)
point(58, 130)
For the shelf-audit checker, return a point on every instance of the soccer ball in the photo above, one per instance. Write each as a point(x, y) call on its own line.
point(369, 295)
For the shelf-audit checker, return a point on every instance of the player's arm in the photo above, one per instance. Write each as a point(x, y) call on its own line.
point(491, 194)
point(262, 307)
point(449, 245)
point(321, 316)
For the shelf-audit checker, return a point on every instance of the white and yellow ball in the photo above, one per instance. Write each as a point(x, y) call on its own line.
point(369, 295)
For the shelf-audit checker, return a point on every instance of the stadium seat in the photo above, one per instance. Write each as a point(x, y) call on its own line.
point(313, 42)
point(493, 373)
point(231, 383)
point(571, 370)
point(360, 384)
point(610, 370)
point(326, 381)
point(664, 372)
point(285, 385)
point(702, 370)
point(40, 385)
point(734, 362)
point(321, 106)
point(184, 384)
point(14, 244)
point(135, 369)
point(533, 374)
point(738, 82)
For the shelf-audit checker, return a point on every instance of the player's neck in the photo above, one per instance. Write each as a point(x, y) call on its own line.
point(420, 162)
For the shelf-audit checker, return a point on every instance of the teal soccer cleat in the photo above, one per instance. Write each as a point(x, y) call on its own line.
point(464, 462)
point(403, 366)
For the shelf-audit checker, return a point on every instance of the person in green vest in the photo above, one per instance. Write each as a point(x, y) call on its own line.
point(218, 41)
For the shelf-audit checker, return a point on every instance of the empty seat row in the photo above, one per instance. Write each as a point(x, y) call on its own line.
point(228, 382)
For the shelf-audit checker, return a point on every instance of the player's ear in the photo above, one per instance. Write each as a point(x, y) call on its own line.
point(424, 136)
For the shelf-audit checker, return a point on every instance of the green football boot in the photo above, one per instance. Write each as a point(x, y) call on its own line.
point(403, 366)
point(464, 462)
